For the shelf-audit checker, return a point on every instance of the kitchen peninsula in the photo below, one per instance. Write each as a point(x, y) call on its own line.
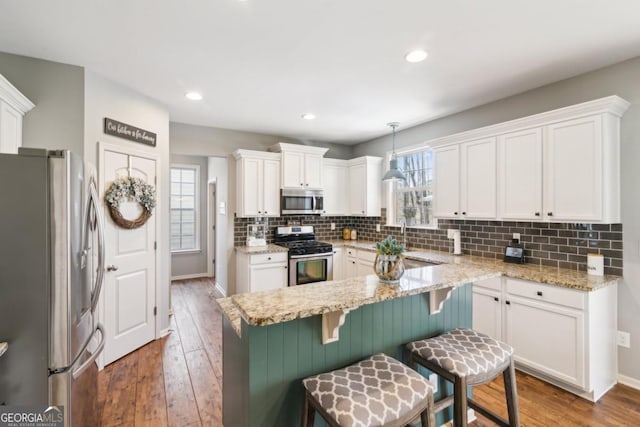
point(273, 339)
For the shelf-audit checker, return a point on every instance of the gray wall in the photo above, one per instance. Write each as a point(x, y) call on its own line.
point(194, 263)
point(203, 140)
point(105, 98)
point(621, 79)
point(57, 90)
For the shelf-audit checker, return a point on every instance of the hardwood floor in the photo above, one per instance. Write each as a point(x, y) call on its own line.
point(177, 380)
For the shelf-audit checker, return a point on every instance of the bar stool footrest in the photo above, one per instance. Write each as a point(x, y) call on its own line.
point(484, 412)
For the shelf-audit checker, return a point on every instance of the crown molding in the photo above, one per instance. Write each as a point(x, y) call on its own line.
point(13, 97)
point(284, 146)
point(611, 104)
point(242, 153)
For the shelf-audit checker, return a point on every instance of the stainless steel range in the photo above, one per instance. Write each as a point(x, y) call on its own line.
point(309, 260)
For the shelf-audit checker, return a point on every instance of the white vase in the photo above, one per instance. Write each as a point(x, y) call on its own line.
point(389, 268)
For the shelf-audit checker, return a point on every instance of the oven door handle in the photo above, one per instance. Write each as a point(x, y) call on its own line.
point(322, 255)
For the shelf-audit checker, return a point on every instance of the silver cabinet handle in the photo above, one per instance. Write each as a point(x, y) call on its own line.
point(112, 268)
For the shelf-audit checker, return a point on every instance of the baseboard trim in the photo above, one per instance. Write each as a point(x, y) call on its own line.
point(629, 381)
point(221, 289)
point(164, 332)
point(190, 276)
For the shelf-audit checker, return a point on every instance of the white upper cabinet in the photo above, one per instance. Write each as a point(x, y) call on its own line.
point(573, 165)
point(301, 165)
point(478, 170)
point(446, 182)
point(562, 165)
point(465, 180)
point(13, 106)
point(335, 178)
point(365, 186)
point(520, 175)
point(313, 170)
point(258, 183)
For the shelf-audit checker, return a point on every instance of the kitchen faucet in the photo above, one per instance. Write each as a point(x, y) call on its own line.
point(403, 231)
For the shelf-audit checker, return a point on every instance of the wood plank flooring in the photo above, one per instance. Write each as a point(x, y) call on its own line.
point(177, 380)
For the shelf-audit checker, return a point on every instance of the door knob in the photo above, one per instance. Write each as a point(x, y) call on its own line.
point(112, 268)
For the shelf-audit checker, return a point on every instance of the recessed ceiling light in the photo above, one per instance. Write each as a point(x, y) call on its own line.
point(194, 96)
point(416, 56)
point(308, 116)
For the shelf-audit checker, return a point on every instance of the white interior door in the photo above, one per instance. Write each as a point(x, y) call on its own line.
point(129, 289)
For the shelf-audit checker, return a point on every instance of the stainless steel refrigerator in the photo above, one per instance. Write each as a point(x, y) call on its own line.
point(51, 271)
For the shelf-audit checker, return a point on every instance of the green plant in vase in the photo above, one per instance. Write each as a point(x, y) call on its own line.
point(388, 264)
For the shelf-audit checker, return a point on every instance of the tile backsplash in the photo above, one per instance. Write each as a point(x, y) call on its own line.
point(553, 244)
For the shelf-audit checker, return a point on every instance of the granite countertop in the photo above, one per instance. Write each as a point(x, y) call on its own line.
point(270, 248)
point(230, 310)
point(562, 277)
point(3, 347)
point(282, 305)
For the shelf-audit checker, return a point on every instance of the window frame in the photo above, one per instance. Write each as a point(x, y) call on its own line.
point(196, 209)
point(389, 192)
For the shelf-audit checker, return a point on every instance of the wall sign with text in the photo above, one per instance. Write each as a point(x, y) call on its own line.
point(132, 133)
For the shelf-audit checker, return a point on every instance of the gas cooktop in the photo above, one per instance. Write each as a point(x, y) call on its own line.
point(300, 240)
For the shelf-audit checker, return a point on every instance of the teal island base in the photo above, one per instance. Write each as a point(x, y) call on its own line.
point(263, 368)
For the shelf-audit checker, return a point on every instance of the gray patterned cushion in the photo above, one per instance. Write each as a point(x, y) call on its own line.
point(466, 353)
point(370, 393)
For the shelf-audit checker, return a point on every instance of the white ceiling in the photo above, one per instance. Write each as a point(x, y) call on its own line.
point(260, 64)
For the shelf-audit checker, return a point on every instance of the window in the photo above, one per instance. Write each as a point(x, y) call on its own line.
point(184, 207)
point(412, 201)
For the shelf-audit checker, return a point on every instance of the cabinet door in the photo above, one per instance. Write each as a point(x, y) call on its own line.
point(268, 276)
point(10, 129)
point(338, 264)
point(251, 187)
point(357, 187)
point(487, 312)
point(547, 337)
point(446, 182)
point(292, 169)
point(335, 181)
point(271, 188)
point(573, 170)
point(351, 264)
point(478, 167)
point(312, 170)
point(365, 267)
point(520, 183)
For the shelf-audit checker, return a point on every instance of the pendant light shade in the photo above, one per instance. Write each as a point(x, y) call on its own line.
point(393, 173)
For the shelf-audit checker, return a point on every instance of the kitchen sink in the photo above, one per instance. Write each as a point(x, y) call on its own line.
point(414, 263)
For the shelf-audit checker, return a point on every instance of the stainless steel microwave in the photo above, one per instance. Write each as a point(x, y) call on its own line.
point(301, 202)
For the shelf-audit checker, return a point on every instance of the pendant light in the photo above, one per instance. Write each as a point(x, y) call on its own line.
point(393, 173)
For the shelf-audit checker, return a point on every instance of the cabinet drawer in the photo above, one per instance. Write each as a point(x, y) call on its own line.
point(367, 256)
point(495, 283)
point(268, 257)
point(351, 252)
point(547, 293)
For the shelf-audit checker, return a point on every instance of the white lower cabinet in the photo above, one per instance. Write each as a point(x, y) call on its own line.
point(358, 262)
point(351, 266)
point(487, 307)
point(365, 262)
point(561, 335)
point(261, 272)
point(339, 263)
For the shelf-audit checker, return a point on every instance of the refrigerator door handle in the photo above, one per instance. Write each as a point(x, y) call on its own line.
point(95, 294)
point(80, 369)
